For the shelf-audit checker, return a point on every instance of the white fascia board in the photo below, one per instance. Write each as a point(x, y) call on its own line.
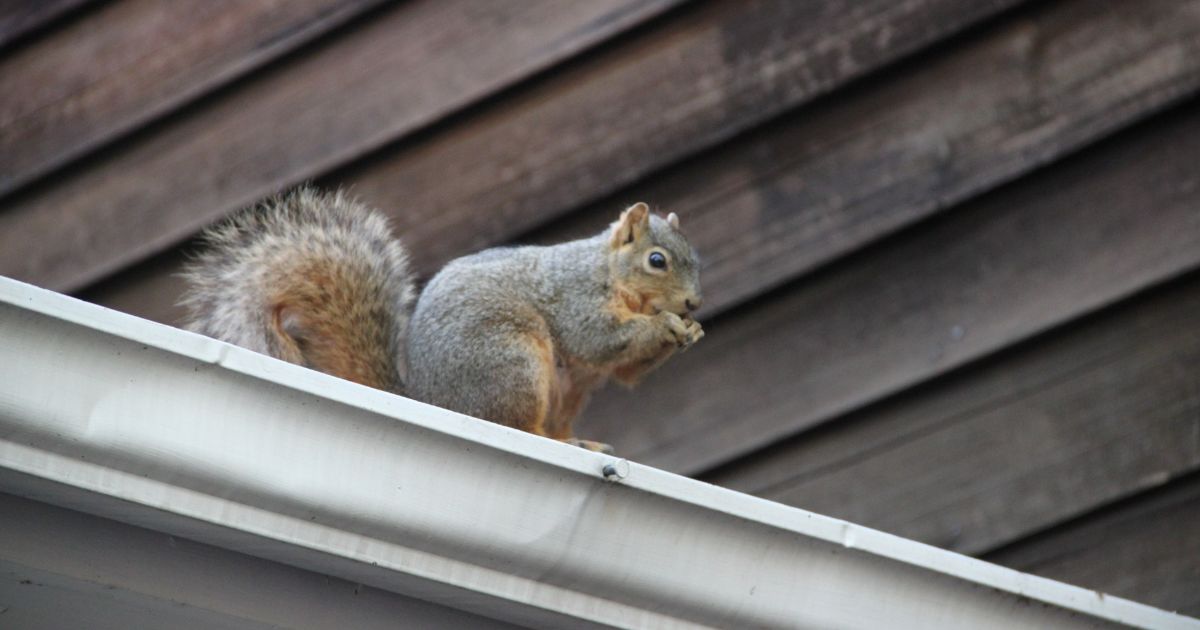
point(131, 420)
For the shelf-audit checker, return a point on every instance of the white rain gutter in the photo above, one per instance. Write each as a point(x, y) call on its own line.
point(148, 425)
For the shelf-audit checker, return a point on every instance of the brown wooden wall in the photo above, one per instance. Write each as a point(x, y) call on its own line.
point(951, 246)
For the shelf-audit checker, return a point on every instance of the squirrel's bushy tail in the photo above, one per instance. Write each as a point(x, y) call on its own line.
point(308, 277)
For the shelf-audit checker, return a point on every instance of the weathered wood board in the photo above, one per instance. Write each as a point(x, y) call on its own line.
point(1144, 549)
point(129, 62)
point(20, 18)
point(398, 73)
point(1017, 444)
point(1056, 245)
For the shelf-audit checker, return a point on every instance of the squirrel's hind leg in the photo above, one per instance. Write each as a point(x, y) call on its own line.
point(518, 384)
point(591, 445)
point(575, 384)
point(546, 399)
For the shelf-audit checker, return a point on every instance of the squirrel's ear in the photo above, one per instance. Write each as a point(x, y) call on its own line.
point(632, 225)
point(673, 220)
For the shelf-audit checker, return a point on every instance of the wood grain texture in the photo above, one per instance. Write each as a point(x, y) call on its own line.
point(19, 18)
point(828, 179)
point(1146, 549)
point(635, 108)
point(1058, 244)
point(1029, 440)
point(494, 175)
point(150, 289)
point(395, 74)
point(131, 61)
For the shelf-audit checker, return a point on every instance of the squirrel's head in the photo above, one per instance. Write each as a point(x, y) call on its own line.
point(651, 261)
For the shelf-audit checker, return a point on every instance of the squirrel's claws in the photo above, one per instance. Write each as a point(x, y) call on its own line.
point(591, 445)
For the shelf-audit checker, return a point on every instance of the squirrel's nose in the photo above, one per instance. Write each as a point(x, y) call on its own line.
point(694, 303)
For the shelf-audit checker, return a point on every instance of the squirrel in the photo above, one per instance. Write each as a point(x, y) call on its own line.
point(520, 336)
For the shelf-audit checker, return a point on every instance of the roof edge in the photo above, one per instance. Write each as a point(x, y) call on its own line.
point(166, 429)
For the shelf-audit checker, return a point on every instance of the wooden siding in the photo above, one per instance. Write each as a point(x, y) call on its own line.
point(1145, 548)
point(132, 61)
point(952, 248)
point(23, 19)
point(324, 108)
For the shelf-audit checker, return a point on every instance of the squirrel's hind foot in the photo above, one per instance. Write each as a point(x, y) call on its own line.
point(597, 447)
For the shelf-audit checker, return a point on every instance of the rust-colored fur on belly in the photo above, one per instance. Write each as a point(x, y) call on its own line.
point(629, 303)
point(564, 386)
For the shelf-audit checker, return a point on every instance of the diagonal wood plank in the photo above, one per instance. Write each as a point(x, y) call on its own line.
point(18, 18)
point(686, 86)
point(828, 179)
point(132, 61)
point(1146, 549)
point(150, 289)
point(1032, 439)
point(1063, 242)
point(493, 175)
point(395, 74)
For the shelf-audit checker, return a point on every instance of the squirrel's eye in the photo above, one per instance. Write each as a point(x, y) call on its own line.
point(657, 260)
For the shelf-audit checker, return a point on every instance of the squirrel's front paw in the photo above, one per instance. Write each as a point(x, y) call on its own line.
point(694, 332)
point(684, 331)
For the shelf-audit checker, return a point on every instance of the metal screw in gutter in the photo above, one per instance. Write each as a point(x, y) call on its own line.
point(616, 470)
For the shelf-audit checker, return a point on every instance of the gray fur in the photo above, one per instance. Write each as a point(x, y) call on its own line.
point(465, 345)
point(483, 329)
